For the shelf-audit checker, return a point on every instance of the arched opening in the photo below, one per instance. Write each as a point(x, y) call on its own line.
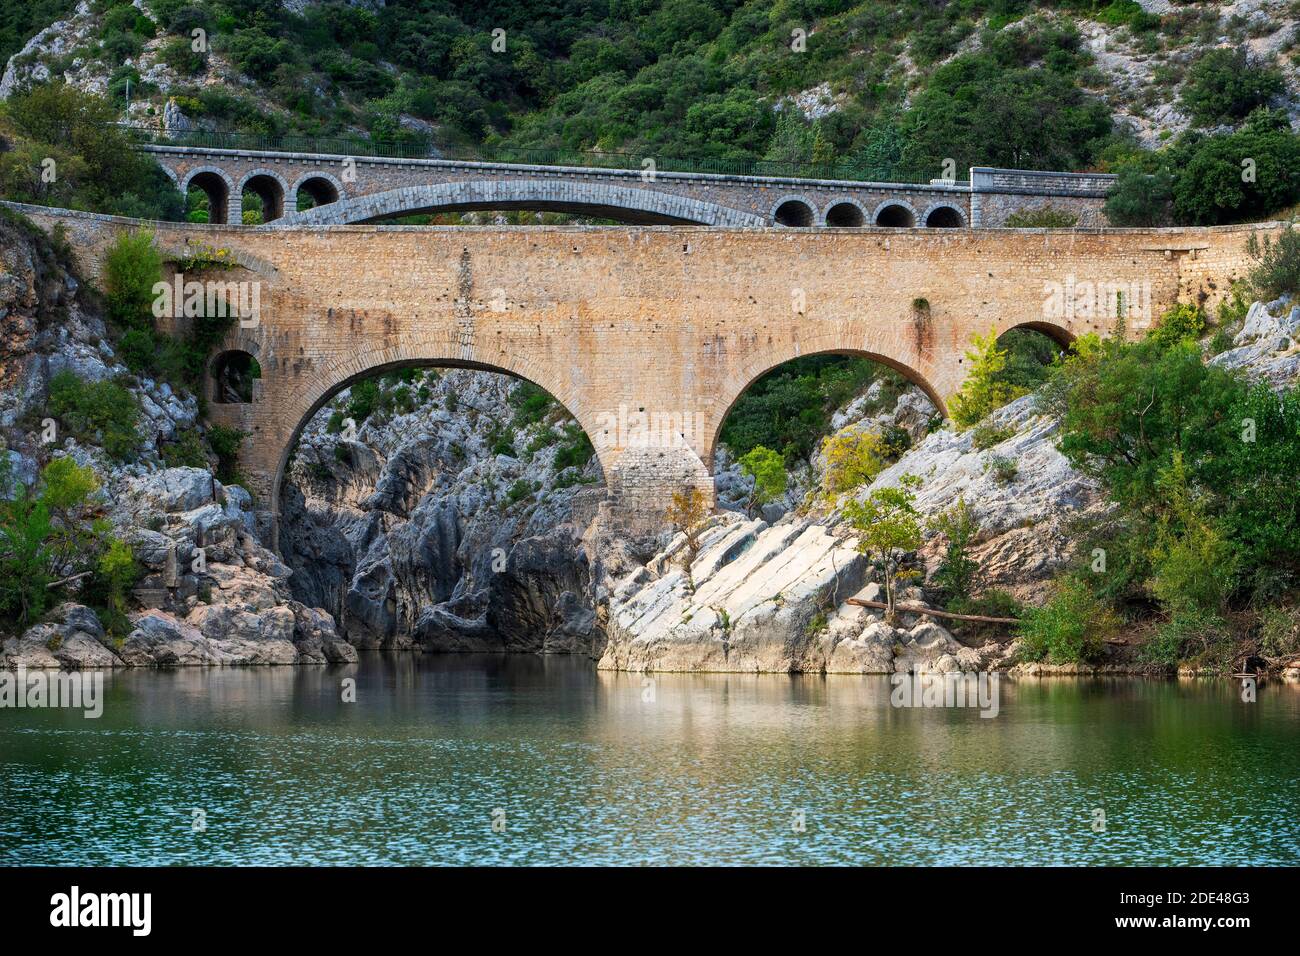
point(420, 501)
point(206, 198)
point(794, 212)
point(944, 217)
point(263, 200)
point(1031, 350)
point(233, 374)
point(623, 204)
point(895, 216)
point(845, 214)
point(315, 191)
point(788, 410)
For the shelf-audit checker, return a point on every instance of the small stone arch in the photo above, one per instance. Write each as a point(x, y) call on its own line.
point(270, 188)
point(576, 196)
point(794, 211)
point(218, 186)
point(942, 215)
point(233, 373)
point(845, 212)
point(315, 183)
point(895, 214)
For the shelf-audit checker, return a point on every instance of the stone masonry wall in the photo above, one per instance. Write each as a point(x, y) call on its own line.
point(650, 320)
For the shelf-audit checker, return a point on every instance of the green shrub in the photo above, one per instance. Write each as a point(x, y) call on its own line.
point(1004, 468)
point(132, 266)
point(520, 490)
point(185, 452)
point(531, 404)
point(1180, 323)
point(102, 413)
point(1187, 634)
point(1279, 631)
point(178, 53)
point(957, 575)
point(225, 444)
point(576, 450)
point(1223, 86)
point(1277, 265)
point(44, 537)
point(1069, 629)
point(1045, 217)
point(984, 436)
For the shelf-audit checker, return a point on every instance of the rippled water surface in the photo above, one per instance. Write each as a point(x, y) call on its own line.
point(594, 768)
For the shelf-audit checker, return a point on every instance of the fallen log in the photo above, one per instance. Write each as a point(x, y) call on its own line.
point(75, 577)
point(917, 609)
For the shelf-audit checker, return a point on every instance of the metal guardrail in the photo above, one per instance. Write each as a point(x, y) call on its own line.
point(425, 148)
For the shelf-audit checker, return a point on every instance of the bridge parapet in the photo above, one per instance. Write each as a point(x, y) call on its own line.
point(353, 189)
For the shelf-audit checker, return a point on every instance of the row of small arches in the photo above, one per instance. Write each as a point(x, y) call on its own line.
point(894, 213)
point(269, 190)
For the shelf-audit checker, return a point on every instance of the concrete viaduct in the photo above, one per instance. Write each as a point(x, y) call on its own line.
point(630, 326)
point(343, 190)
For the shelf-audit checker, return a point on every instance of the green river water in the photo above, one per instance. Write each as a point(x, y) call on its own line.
point(525, 760)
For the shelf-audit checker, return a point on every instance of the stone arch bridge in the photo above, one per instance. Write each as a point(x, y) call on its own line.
point(357, 189)
point(649, 334)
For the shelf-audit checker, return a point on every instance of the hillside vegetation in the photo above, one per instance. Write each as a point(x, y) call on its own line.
point(1175, 100)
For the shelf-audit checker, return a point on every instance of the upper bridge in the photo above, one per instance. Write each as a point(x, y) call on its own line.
point(649, 334)
point(337, 189)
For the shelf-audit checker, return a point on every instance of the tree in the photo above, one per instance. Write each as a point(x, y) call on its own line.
point(767, 468)
point(888, 527)
point(1240, 177)
point(688, 513)
point(1223, 86)
point(42, 537)
point(984, 391)
point(854, 457)
point(1141, 196)
point(116, 571)
point(957, 573)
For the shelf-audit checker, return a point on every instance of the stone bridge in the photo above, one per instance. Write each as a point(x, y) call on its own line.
point(649, 334)
point(340, 190)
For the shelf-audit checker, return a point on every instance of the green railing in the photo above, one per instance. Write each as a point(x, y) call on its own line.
point(424, 148)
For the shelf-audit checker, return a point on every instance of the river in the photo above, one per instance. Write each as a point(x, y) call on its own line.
point(526, 760)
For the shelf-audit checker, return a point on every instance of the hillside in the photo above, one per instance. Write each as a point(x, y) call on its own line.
point(898, 88)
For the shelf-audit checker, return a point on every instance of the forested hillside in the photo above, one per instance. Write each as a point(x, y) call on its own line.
point(1176, 94)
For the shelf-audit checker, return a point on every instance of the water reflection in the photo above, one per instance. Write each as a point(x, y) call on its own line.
point(594, 767)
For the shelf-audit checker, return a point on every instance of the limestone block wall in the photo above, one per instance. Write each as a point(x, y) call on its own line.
point(632, 325)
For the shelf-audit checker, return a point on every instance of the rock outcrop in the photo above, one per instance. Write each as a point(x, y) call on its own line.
point(447, 526)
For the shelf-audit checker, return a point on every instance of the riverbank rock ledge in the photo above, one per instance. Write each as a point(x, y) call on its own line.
point(771, 598)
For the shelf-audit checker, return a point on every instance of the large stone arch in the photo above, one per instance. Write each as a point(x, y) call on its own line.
point(739, 382)
point(1060, 334)
point(580, 197)
point(297, 406)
